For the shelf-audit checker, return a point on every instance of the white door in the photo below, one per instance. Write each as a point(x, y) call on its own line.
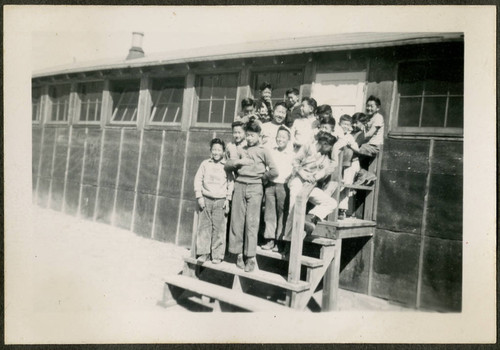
point(344, 92)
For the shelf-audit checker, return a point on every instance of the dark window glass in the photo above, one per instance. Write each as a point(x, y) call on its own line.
point(36, 104)
point(217, 98)
point(280, 81)
point(59, 102)
point(125, 96)
point(90, 95)
point(167, 96)
point(431, 94)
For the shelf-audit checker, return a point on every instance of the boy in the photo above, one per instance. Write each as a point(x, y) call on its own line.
point(276, 190)
point(269, 130)
point(266, 91)
point(247, 197)
point(263, 114)
point(374, 130)
point(305, 128)
point(312, 164)
point(324, 111)
point(234, 148)
point(213, 187)
point(247, 110)
point(293, 106)
point(327, 124)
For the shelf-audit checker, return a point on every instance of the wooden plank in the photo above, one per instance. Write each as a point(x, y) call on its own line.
point(257, 275)
point(331, 281)
point(359, 187)
point(99, 171)
point(244, 301)
point(141, 138)
point(305, 260)
point(320, 240)
point(157, 191)
point(348, 223)
point(67, 168)
point(82, 174)
point(184, 167)
point(117, 181)
point(335, 233)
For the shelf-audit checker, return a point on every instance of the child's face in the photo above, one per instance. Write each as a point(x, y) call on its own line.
point(279, 114)
point(305, 109)
point(324, 147)
point(266, 94)
point(252, 138)
point(217, 152)
point(371, 108)
point(248, 110)
point(346, 126)
point(326, 128)
point(282, 138)
point(238, 134)
point(291, 100)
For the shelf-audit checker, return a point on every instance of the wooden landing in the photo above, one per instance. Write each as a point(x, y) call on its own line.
point(348, 228)
point(226, 295)
point(257, 275)
point(305, 260)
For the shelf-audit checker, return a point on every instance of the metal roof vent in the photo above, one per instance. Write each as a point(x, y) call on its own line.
point(136, 49)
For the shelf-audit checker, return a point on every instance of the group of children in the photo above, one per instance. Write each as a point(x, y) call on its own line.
point(271, 158)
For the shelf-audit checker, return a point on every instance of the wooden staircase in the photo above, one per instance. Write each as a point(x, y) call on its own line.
point(279, 282)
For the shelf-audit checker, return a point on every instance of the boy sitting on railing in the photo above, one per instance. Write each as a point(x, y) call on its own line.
point(313, 163)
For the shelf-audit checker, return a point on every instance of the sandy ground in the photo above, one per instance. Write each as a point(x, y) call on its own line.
point(78, 270)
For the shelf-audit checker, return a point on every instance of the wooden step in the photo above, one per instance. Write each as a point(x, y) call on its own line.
point(347, 228)
point(319, 240)
point(257, 275)
point(305, 260)
point(229, 296)
point(359, 187)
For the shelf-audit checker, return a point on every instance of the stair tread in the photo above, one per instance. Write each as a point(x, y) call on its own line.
point(319, 240)
point(349, 222)
point(230, 296)
point(258, 275)
point(359, 187)
point(305, 260)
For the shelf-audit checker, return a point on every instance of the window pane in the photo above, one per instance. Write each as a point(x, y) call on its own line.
point(167, 96)
point(125, 94)
point(280, 81)
point(217, 110)
point(437, 78)
point(203, 110)
point(411, 78)
point(409, 111)
point(455, 117)
point(59, 100)
point(219, 89)
point(231, 84)
point(229, 112)
point(173, 113)
point(157, 113)
point(36, 94)
point(433, 111)
point(205, 87)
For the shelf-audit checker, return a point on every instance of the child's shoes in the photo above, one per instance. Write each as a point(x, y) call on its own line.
point(239, 261)
point(250, 265)
point(202, 258)
point(269, 245)
point(216, 261)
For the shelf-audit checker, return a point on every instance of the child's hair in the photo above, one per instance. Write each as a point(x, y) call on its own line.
point(260, 103)
point(359, 118)
point(282, 104)
point(265, 85)
point(327, 137)
point(311, 102)
point(218, 141)
point(284, 128)
point(324, 109)
point(247, 102)
point(374, 99)
point(252, 126)
point(237, 123)
point(292, 91)
point(328, 120)
point(345, 118)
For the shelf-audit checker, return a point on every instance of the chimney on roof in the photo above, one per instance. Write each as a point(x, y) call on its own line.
point(136, 49)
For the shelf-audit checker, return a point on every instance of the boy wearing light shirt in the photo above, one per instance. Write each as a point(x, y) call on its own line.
point(269, 130)
point(305, 128)
point(276, 191)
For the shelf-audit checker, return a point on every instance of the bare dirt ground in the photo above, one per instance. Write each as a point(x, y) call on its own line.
point(69, 266)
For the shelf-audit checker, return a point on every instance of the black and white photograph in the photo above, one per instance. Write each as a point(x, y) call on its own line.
point(229, 173)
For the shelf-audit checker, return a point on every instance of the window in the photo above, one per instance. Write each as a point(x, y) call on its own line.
point(59, 102)
point(90, 99)
point(36, 104)
point(280, 81)
point(167, 97)
point(430, 97)
point(216, 98)
point(125, 96)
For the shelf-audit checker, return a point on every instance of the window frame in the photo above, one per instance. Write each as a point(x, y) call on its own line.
point(78, 103)
point(41, 106)
point(111, 103)
point(283, 68)
point(195, 122)
point(151, 106)
point(429, 131)
point(48, 116)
